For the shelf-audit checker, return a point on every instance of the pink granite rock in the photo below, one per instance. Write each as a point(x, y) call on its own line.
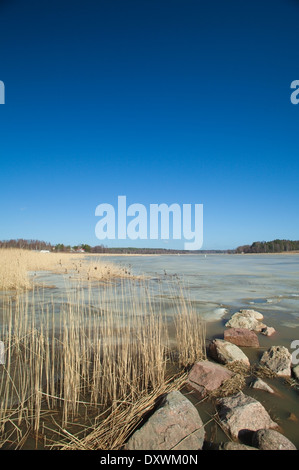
point(242, 337)
point(206, 376)
point(240, 414)
point(175, 425)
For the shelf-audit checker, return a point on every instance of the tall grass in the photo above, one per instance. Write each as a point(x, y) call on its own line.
point(90, 354)
point(16, 265)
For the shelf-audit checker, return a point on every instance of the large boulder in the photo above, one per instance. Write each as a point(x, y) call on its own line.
point(206, 376)
point(248, 319)
point(175, 425)
point(225, 352)
point(240, 414)
point(253, 313)
point(268, 439)
point(236, 446)
point(241, 337)
point(278, 359)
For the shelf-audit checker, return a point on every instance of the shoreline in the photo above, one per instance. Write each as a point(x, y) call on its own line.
point(190, 254)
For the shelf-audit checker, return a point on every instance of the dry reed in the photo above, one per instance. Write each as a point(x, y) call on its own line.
point(190, 331)
point(263, 372)
point(112, 432)
point(16, 265)
point(104, 350)
point(229, 387)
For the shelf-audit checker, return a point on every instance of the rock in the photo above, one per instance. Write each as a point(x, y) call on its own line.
point(268, 439)
point(236, 446)
point(261, 385)
point(278, 359)
point(240, 414)
point(175, 425)
point(226, 352)
point(268, 331)
point(206, 376)
point(248, 319)
point(295, 371)
point(241, 337)
point(293, 417)
point(253, 313)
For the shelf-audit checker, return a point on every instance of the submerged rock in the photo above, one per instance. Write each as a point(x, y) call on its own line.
point(248, 319)
point(175, 425)
point(293, 417)
point(278, 359)
point(225, 352)
point(259, 384)
point(268, 331)
point(206, 376)
point(241, 337)
point(240, 414)
point(268, 439)
point(295, 371)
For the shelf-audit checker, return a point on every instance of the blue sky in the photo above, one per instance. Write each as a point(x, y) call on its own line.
point(164, 102)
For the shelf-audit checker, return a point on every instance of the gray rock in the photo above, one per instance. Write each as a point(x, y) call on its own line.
point(248, 319)
point(295, 370)
point(225, 352)
point(240, 414)
point(206, 376)
point(278, 359)
point(175, 425)
point(253, 313)
point(259, 384)
point(268, 439)
point(236, 446)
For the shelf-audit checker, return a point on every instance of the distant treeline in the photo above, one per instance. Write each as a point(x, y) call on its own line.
point(26, 244)
point(60, 247)
point(154, 251)
point(274, 246)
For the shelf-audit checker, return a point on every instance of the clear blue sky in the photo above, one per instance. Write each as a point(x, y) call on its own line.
point(162, 101)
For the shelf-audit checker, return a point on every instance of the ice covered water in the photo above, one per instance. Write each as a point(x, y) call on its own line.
point(217, 284)
point(222, 283)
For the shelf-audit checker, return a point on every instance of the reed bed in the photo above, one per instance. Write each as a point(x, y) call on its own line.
point(112, 432)
point(17, 264)
point(190, 330)
point(103, 352)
